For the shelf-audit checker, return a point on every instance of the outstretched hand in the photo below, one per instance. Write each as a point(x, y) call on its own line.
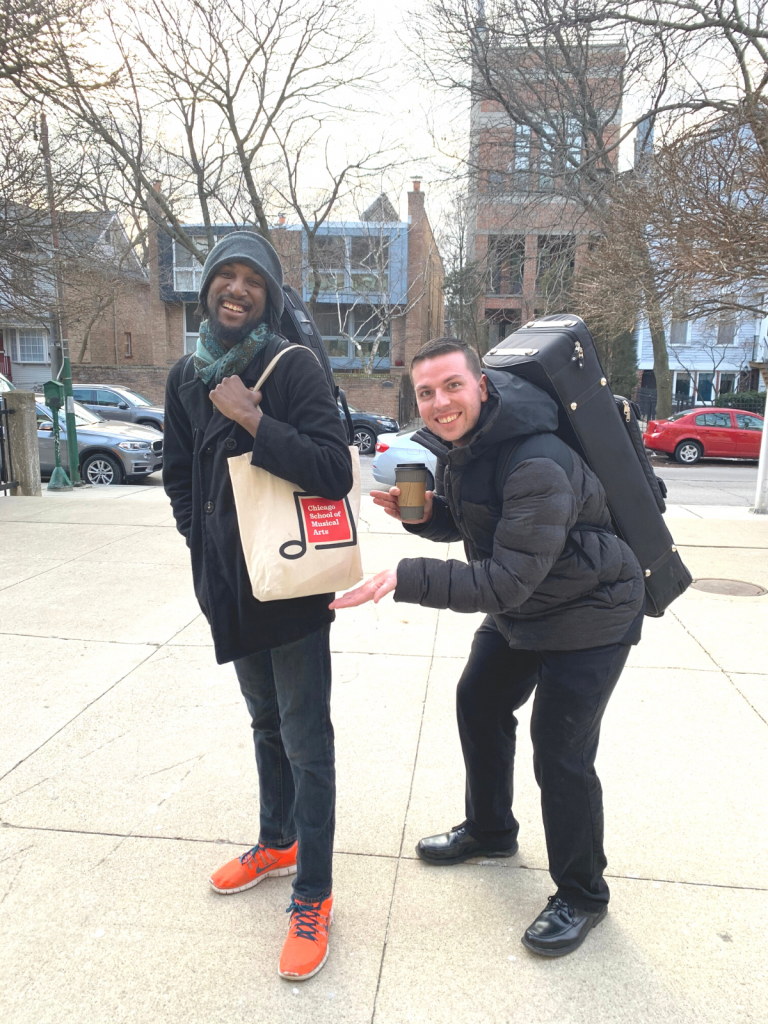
point(373, 589)
point(388, 501)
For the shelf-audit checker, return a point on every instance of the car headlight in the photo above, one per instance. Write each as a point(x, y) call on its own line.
point(135, 446)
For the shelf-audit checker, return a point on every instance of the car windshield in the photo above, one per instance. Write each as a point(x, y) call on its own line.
point(348, 406)
point(83, 417)
point(134, 396)
point(679, 415)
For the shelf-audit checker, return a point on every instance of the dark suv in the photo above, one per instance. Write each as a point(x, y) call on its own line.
point(113, 402)
point(367, 427)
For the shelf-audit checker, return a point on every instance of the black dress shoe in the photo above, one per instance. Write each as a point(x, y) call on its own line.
point(560, 928)
point(456, 846)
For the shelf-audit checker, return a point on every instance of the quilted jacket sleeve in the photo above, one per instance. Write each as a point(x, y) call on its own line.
point(539, 509)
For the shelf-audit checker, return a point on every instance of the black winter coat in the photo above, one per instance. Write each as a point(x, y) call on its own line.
point(301, 438)
point(543, 558)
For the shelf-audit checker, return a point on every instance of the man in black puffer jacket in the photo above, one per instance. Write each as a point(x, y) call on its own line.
point(564, 599)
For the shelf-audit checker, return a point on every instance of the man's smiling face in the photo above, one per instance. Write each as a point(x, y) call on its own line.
point(449, 396)
point(236, 300)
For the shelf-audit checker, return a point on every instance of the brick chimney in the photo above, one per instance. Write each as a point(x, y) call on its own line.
point(281, 219)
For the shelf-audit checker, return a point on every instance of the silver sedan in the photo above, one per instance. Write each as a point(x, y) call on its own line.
point(394, 449)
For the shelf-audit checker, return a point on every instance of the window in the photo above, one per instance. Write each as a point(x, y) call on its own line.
point(192, 320)
point(522, 163)
point(546, 165)
point(745, 422)
point(87, 395)
point(32, 345)
point(109, 398)
point(187, 271)
point(506, 258)
point(727, 383)
point(726, 328)
point(367, 325)
point(682, 385)
point(557, 256)
point(332, 252)
point(135, 397)
point(713, 419)
point(705, 386)
point(331, 320)
point(370, 252)
point(559, 151)
point(678, 332)
point(128, 346)
point(369, 257)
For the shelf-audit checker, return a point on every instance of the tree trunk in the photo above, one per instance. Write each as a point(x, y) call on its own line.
point(660, 359)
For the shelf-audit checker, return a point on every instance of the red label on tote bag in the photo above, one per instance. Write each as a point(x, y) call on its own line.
point(325, 522)
point(322, 522)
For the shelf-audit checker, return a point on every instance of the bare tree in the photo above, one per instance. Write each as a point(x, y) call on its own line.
point(196, 95)
point(465, 280)
point(547, 84)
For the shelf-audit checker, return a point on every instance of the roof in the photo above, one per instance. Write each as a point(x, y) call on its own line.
point(381, 211)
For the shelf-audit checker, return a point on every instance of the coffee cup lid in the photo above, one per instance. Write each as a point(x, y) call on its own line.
point(411, 465)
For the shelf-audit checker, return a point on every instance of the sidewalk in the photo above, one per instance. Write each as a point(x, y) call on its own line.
point(128, 776)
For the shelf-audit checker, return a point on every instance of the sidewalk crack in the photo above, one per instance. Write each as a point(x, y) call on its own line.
point(405, 820)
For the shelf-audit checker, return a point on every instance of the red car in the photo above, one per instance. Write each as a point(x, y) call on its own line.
point(706, 434)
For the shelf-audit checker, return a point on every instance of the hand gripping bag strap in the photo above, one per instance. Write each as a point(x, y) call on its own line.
point(270, 513)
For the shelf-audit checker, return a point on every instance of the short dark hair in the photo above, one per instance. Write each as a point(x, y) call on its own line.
point(441, 347)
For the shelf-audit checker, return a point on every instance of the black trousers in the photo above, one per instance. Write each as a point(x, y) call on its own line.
point(572, 691)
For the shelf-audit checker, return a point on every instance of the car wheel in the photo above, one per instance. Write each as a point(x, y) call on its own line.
point(365, 440)
point(688, 452)
point(150, 423)
point(101, 470)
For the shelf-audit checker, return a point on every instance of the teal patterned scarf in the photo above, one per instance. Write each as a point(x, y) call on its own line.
point(213, 362)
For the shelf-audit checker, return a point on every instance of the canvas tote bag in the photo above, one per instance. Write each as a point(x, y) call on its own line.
point(295, 544)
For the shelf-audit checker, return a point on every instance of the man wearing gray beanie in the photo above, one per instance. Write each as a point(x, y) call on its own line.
point(280, 649)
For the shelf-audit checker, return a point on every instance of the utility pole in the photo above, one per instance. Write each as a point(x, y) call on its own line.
point(761, 491)
point(64, 367)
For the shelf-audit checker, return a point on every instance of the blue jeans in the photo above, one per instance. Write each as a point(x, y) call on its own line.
point(288, 694)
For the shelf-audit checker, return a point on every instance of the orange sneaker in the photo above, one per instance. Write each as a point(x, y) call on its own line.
point(306, 948)
point(253, 867)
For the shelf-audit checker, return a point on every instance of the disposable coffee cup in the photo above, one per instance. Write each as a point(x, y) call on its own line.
point(411, 478)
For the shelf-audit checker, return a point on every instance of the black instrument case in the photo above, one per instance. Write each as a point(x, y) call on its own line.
point(558, 354)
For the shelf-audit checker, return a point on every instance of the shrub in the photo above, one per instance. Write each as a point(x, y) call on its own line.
point(750, 401)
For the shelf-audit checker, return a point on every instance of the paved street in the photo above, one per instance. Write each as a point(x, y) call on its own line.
point(128, 776)
point(711, 482)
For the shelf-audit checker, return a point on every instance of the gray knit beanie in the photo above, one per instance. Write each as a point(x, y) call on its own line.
point(247, 247)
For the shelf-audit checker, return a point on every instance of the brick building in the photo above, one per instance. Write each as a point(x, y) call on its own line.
point(529, 212)
point(105, 298)
point(375, 271)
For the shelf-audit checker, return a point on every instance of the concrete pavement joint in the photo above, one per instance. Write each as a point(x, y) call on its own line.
point(68, 561)
point(80, 712)
point(90, 640)
point(720, 668)
point(405, 821)
point(377, 856)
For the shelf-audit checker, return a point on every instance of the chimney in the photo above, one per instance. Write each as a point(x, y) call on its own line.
point(281, 219)
point(416, 184)
point(157, 186)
